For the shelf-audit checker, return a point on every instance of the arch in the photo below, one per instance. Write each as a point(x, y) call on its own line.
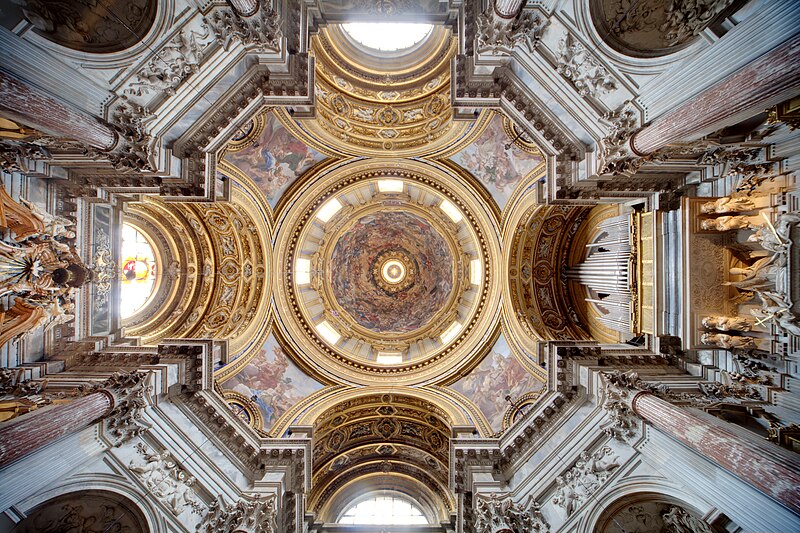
point(377, 437)
point(634, 490)
point(652, 28)
point(93, 508)
point(96, 28)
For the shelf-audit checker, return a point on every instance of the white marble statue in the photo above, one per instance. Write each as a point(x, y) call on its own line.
point(54, 225)
point(727, 223)
point(780, 316)
point(728, 342)
point(777, 238)
point(727, 323)
point(726, 204)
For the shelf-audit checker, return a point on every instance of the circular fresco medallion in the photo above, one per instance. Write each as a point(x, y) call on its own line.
point(391, 271)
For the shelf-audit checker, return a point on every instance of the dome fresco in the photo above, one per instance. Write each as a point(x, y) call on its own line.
point(358, 290)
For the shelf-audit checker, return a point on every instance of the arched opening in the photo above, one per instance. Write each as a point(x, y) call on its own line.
point(387, 36)
point(383, 508)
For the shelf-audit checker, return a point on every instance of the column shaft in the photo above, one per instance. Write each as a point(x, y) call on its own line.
point(30, 432)
point(25, 104)
point(767, 81)
point(508, 9)
point(244, 8)
point(772, 474)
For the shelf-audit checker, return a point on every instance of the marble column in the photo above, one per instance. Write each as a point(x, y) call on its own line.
point(767, 81)
point(508, 9)
point(31, 107)
point(244, 8)
point(771, 473)
point(28, 433)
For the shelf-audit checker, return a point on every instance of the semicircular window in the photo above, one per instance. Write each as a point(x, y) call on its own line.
point(387, 36)
point(139, 271)
point(383, 510)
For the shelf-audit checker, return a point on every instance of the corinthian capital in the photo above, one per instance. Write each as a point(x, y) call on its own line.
point(130, 392)
point(620, 389)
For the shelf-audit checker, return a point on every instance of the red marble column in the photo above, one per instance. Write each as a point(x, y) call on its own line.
point(769, 80)
point(244, 8)
point(772, 474)
point(28, 433)
point(30, 107)
point(508, 9)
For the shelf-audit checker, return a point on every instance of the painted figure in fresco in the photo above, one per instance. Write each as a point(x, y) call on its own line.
point(275, 160)
point(499, 164)
point(268, 380)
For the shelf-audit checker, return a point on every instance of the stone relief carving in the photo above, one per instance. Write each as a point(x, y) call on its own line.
point(261, 30)
point(584, 479)
point(576, 63)
point(678, 520)
point(166, 481)
point(685, 19)
point(248, 515)
point(495, 513)
point(497, 35)
point(178, 59)
point(87, 26)
point(103, 268)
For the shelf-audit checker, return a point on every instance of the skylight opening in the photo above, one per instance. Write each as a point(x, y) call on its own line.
point(387, 36)
point(475, 271)
point(302, 271)
point(385, 511)
point(330, 208)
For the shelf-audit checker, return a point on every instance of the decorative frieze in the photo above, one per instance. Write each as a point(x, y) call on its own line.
point(247, 515)
point(496, 513)
point(497, 35)
point(261, 31)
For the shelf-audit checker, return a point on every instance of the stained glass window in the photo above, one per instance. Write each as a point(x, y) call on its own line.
point(138, 272)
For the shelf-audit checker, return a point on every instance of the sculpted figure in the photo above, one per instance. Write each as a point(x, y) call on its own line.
point(728, 342)
point(780, 316)
point(726, 204)
point(53, 224)
point(777, 240)
point(727, 223)
point(727, 323)
point(679, 521)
